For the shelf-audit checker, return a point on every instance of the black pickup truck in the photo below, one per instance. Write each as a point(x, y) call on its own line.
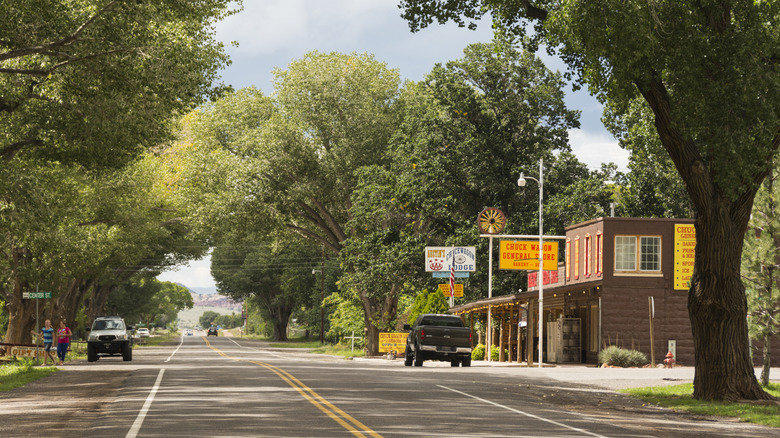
point(438, 337)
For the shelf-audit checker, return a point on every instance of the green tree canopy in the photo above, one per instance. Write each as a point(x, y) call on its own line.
point(147, 300)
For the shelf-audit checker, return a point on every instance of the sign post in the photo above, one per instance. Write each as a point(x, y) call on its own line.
point(36, 295)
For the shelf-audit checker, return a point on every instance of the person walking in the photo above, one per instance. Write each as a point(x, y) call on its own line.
point(63, 341)
point(47, 334)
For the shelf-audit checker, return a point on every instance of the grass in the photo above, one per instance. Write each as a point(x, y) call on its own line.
point(313, 345)
point(338, 350)
point(680, 397)
point(21, 372)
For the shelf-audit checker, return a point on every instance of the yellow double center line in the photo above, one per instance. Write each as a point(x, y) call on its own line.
point(325, 406)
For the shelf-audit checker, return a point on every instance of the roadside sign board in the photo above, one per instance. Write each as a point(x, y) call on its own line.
point(684, 255)
point(440, 258)
point(36, 295)
point(392, 342)
point(445, 289)
point(26, 351)
point(524, 255)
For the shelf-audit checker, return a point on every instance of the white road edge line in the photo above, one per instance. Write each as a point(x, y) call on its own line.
point(139, 420)
point(174, 351)
point(523, 413)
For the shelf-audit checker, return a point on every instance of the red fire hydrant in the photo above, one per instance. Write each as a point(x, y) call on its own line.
point(669, 361)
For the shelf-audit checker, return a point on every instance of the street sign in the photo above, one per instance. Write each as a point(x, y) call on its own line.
point(36, 295)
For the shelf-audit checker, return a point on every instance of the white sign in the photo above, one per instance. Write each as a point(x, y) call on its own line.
point(440, 258)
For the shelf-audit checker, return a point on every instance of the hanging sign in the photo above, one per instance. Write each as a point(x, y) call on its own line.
point(524, 255)
point(440, 258)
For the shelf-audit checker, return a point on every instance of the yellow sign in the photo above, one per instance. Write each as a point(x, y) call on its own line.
point(392, 342)
point(445, 289)
point(524, 255)
point(684, 254)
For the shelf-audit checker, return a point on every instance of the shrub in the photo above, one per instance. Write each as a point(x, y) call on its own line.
point(478, 353)
point(620, 357)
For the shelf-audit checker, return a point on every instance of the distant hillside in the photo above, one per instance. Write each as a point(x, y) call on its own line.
point(208, 297)
point(208, 301)
point(214, 300)
point(203, 290)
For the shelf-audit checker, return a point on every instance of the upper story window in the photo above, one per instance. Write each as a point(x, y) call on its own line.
point(638, 253)
point(599, 252)
point(577, 257)
point(588, 256)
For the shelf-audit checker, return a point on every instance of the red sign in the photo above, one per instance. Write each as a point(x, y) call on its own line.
point(549, 277)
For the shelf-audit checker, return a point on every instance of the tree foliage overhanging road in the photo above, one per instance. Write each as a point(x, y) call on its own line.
point(87, 88)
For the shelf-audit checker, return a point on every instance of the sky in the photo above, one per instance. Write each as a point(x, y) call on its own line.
point(272, 33)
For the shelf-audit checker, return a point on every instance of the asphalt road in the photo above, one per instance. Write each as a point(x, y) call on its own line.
point(227, 387)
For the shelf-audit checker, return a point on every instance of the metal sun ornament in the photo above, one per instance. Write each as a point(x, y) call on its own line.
point(491, 221)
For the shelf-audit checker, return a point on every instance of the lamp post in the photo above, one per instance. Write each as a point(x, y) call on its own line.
point(540, 280)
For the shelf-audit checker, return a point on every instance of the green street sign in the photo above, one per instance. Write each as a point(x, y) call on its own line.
point(36, 295)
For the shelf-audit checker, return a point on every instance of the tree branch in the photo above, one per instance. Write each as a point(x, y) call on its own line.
point(12, 149)
point(49, 47)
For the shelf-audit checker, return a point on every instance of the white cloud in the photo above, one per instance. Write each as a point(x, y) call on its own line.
point(594, 148)
point(196, 273)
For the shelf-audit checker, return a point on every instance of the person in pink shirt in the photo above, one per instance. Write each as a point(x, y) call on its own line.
point(63, 341)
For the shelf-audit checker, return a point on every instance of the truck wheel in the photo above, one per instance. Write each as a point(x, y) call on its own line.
point(127, 352)
point(418, 359)
point(408, 358)
point(91, 353)
point(454, 362)
point(466, 362)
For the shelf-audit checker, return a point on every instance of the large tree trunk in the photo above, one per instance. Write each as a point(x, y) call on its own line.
point(280, 316)
point(21, 321)
point(378, 313)
point(717, 306)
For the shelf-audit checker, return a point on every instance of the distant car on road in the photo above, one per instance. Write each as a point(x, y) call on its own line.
point(142, 332)
point(188, 332)
point(212, 331)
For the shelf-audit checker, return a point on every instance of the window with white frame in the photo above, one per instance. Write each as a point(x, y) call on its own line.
point(637, 253)
point(650, 253)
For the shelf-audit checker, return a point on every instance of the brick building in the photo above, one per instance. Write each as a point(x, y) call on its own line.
point(615, 271)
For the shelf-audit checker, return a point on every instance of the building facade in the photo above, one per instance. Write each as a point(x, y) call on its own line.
point(623, 281)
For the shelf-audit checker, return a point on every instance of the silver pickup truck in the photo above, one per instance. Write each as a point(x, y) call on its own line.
point(438, 337)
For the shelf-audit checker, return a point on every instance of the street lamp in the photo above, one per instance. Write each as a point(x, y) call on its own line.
point(540, 281)
point(322, 303)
